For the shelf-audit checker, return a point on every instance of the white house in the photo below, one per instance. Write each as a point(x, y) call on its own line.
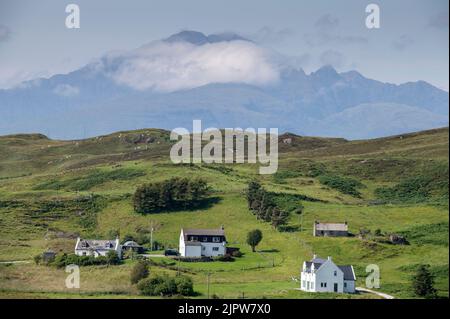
point(96, 248)
point(323, 275)
point(202, 242)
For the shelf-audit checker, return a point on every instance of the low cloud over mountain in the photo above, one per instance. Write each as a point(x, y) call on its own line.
point(224, 80)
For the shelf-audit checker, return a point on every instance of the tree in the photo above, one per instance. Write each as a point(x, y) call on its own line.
point(112, 258)
point(254, 237)
point(170, 194)
point(139, 272)
point(252, 190)
point(279, 217)
point(423, 282)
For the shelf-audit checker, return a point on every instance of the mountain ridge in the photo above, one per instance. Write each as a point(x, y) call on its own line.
point(90, 101)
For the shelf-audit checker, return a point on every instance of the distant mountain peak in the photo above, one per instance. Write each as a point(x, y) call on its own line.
point(327, 70)
point(199, 38)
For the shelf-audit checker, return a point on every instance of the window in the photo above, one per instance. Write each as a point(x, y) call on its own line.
point(215, 248)
point(194, 238)
point(345, 285)
point(335, 273)
point(216, 239)
point(303, 283)
point(323, 284)
point(312, 284)
point(205, 239)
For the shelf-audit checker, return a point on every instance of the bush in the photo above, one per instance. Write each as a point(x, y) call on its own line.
point(37, 259)
point(423, 282)
point(166, 286)
point(185, 287)
point(112, 258)
point(343, 184)
point(224, 258)
point(139, 272)
point(72, 259)
point(236, 253)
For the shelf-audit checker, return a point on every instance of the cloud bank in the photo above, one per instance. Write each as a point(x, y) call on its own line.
point(166, 67)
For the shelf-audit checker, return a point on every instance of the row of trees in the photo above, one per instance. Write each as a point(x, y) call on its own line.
point(175, 193)
point(263, 206)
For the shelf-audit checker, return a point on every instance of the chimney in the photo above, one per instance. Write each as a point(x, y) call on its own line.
point(221, 227)
point(329, 258)
point(314, 256)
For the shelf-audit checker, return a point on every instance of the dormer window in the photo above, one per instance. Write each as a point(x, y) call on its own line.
point(216, 239)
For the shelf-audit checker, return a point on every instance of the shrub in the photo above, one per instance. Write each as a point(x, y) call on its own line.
point(64, 260)
point(423, 282)
point(225, 258)
point(37, 259)
point(166, 286)
point(112, 258)
point(139, 272)
point(343, 184)
point(236, 253)
point(185, 287)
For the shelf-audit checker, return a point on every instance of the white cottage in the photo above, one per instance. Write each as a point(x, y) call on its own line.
point(202, 242)
point(96, 248)
point(323, 275)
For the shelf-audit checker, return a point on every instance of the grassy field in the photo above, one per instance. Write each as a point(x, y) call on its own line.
point(52, 191)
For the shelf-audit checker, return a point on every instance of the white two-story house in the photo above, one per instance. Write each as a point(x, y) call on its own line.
point(202, 242)
point(323, 275)
point(96, 248)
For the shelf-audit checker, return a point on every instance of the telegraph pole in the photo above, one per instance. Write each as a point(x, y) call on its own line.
point(151, 237)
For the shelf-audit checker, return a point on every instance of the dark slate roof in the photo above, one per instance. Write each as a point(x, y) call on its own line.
point(202, 232)
point(349, 274)
point(309, 264)
point(131, 243)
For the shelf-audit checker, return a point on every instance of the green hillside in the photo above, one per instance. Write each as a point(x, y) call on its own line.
point(51, 191)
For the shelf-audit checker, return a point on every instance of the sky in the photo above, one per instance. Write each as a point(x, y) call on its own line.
point(410, 45)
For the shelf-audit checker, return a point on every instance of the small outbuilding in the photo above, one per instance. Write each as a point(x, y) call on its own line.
point(330, 229)
point(132, 246)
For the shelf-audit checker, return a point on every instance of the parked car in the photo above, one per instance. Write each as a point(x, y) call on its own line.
point(171, 252)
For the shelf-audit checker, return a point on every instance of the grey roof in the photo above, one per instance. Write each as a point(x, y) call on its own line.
point(349, 274)
point(348, 271)
point(95, 244)
point(131, 243)
point(309, 264)
point(332, 226)
point(202, 232)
